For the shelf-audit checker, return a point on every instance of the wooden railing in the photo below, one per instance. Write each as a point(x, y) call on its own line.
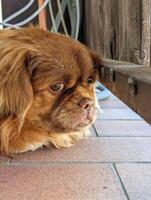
point(131, 83)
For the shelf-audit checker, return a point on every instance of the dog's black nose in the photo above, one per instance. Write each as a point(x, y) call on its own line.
point(86, 103)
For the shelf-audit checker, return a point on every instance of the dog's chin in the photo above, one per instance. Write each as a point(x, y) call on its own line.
point(75, 126)
point(73, 122)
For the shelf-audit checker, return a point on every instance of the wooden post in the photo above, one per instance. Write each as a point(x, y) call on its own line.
point(42, 16)
point(120, 29)
point(145, 52)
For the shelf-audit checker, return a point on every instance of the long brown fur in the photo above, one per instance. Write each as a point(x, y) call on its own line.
point(30, 115)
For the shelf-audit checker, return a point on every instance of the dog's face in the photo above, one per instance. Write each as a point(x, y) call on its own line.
point(63, 89)
point(51, 81)
point(63, 86)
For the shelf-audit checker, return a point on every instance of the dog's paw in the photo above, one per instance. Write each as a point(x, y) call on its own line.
point(76, 136)
point(61, 140)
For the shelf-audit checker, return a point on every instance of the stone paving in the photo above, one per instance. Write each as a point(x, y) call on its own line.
point(114, 163)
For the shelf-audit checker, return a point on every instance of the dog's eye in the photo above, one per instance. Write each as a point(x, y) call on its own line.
point(57, 87)
point(90, 81)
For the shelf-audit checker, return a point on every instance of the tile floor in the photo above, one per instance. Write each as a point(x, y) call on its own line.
point(113, 164)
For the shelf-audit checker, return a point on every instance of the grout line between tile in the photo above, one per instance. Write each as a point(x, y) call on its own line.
point(106, 107)
point(123, 136)
point(34, 163)
point(95, 130)
point(103, 136)
point(118, 119)
point(117, 175)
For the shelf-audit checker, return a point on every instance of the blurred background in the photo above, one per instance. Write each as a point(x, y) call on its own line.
point(118, 29)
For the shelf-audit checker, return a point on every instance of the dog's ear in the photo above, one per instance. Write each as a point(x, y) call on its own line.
point(97, 62)
point(15, 88)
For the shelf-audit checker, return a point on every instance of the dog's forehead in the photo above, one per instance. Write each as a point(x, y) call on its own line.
point(62, 58)
point(67, 59)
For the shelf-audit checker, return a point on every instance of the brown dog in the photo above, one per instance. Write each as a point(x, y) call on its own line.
point(46, 89)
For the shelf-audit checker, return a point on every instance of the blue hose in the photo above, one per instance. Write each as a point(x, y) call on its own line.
point(101, 92)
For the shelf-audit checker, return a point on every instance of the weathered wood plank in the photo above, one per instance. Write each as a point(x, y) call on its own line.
point(146, 34)
point(119, 29)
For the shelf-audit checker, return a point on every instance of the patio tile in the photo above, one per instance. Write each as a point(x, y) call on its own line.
point(118, 114)
point(4, 159)
point(136, 179)
point(92, 132)
point(63, 181)
point(107, 149)
point(113, 97)
point(112, 103)
point(122, 128)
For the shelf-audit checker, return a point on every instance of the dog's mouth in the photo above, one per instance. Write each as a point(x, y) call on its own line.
point(75, 122)
point(85, 120)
